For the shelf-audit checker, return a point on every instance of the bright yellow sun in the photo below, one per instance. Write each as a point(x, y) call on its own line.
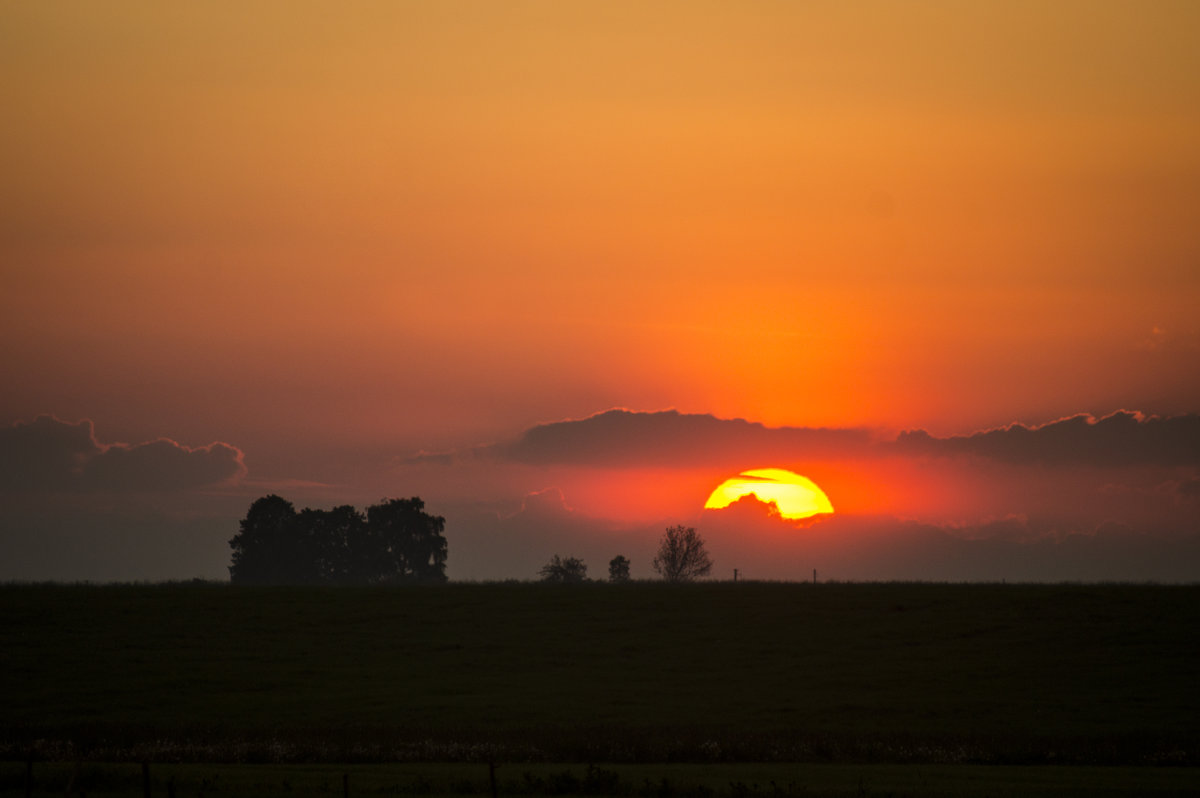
point(794, 495)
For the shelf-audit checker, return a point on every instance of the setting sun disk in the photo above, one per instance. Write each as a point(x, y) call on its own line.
point(794, 495)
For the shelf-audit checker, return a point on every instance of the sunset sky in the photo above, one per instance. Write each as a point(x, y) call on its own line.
point(561, 268)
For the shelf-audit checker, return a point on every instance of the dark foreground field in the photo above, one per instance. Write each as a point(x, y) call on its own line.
point(724, 780)
point(639, 673)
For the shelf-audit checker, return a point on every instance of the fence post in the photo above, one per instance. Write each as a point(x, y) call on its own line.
point(492, 777)
point(29, 775)
point(345, 785)
point(145, 780)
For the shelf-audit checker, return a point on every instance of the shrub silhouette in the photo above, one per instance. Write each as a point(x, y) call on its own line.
point(618, 569)
point(572, 569)
point(681, 555)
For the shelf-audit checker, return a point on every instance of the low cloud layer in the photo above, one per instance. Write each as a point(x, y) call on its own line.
point(621, 438)
point(1012, 549)
point(1082, 498)
point(49, 454)
point(850, 548)
point(669, 438)
point(884, 548)
point(1120, 439)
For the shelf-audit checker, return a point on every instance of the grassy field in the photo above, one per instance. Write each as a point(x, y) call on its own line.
point(646, 672)
point(634, 781)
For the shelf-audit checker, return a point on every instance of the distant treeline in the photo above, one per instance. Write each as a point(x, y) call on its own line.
point(395, 541)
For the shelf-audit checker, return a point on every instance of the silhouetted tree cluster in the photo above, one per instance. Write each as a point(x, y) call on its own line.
point(618, 569)
point(681, 555)
point(571, 569)
point(395, 541)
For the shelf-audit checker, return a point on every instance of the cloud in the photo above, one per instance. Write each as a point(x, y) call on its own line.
point(163, 464)
point(1119, 439)
point(622, 438)
point(544, 504)
point(668, 438)
point(55, 455)
point(45, 453)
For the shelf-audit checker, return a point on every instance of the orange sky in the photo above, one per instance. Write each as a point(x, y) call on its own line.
point(334, 234)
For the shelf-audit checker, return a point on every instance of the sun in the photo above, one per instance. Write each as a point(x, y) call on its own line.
point(794, 495)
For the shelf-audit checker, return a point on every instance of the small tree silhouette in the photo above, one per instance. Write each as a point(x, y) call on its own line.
point(618, 569)
point(681, 555)
point(571, 569)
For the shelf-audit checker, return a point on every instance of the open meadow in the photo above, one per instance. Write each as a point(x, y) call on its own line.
point(643, 674)
point(660, 780)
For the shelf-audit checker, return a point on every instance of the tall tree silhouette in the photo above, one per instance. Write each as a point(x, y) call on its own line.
point(334, 538)
point(408, 540)
point(266, 549)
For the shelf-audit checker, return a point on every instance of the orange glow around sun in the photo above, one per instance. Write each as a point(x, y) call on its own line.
point(794, 495)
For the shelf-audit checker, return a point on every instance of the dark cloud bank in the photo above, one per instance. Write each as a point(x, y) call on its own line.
point(78, 509)
point(666, 438)
point(669, 438)
point(1120, 439)
point(48, 454)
